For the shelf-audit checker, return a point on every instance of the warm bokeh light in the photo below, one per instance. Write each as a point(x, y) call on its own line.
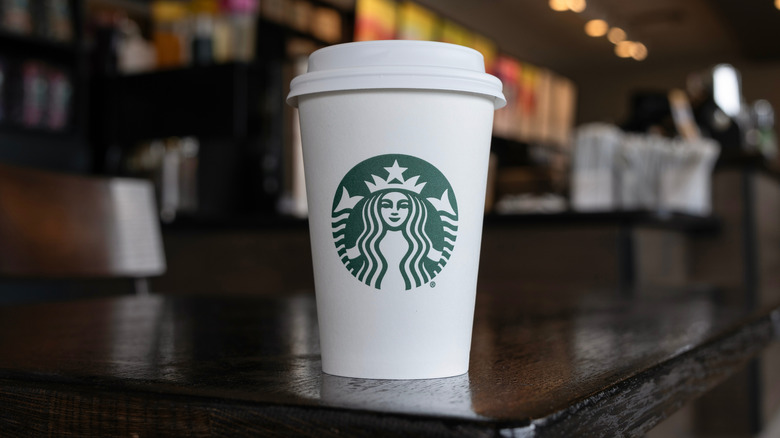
point(616, 35)
point(777, 4)
point(597, 28)
point(638, 51)
point(623, 49)
point(558, 5)
point(576, 5)
point(726, 88)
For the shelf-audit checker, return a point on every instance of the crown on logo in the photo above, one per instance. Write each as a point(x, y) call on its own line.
point(395, 181)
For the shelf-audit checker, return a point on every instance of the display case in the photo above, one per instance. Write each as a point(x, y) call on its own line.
point(43, 85)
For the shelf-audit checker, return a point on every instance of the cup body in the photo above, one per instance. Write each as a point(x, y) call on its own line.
point(395, 182)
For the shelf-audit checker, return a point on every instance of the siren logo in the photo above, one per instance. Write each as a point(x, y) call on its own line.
point(395, 220)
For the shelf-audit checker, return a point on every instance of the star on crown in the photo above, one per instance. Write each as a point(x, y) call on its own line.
point(395, 181)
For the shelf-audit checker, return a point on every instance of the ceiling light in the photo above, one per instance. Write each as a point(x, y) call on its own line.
point(616, 35)
point(558, 5)
point(576, 5)
point(623, 49)
point(638, 51)
point(597, 28)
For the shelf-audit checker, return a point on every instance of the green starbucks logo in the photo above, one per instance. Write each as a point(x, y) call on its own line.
point(395, 219)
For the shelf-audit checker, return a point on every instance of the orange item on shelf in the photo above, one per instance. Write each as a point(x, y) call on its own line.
point(168, 17)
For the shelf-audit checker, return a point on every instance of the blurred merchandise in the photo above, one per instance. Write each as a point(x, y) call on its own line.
point(487, 48)
point(241, 18)
point(222, 39)
point(60, 96)
point(17, 16)
point(49, 19)
point(275, 10)
point(326, 25)
point(106, 38)
point(416, 22)
point(613, 170)
point(201, 32)
point(299, 15)
point(686, 176)
point(716, 99)
point(134, 53)
point(34, 96)
point(594, 187)
point(531, 203)
point(406, 20)
point(203, 17)
point(762, 136)
point(172, 165)
point(454, 33)
point(507, 69)
point(540, 104)
point(170, 33)
point(375, 20)
point(4, 89)
point(58, 24)
point(682, 114)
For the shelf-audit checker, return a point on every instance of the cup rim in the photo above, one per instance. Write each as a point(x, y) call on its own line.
point(424, 65)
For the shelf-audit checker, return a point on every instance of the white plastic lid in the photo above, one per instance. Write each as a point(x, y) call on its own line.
point(396, 64)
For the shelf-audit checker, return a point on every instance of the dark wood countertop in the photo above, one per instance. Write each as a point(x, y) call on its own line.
point(543, 363)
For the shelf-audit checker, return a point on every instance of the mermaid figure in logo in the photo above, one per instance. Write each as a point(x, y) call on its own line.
point(394, 243)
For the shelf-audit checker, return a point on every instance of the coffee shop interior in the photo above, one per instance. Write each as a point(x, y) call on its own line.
point(632, 208)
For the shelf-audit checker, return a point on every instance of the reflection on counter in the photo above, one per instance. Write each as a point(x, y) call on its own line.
point(451, 394)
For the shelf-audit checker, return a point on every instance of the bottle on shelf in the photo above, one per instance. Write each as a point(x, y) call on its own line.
point(170, 33)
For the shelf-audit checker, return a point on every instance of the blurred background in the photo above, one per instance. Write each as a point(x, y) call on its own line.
point(190, 93)
point(638, 147)
point(613, 107)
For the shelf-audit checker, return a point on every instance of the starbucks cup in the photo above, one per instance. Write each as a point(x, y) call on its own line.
point(396, 141)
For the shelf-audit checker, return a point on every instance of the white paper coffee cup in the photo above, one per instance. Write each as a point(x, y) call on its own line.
point(396, 142)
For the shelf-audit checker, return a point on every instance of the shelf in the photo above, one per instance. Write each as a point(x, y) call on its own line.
point(46, 150)
point(43, 133)
point(648, 219)
point(185, 224)
point(39, 48)
point(208, 101)
point(59, 150)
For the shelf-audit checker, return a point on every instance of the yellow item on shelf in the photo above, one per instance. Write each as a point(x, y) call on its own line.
point(454, 33)
point(487, 48)
point(168, 10)
point(416, 22)
point(375, 20)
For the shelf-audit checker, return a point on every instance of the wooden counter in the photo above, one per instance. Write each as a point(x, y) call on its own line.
point(544, 363)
